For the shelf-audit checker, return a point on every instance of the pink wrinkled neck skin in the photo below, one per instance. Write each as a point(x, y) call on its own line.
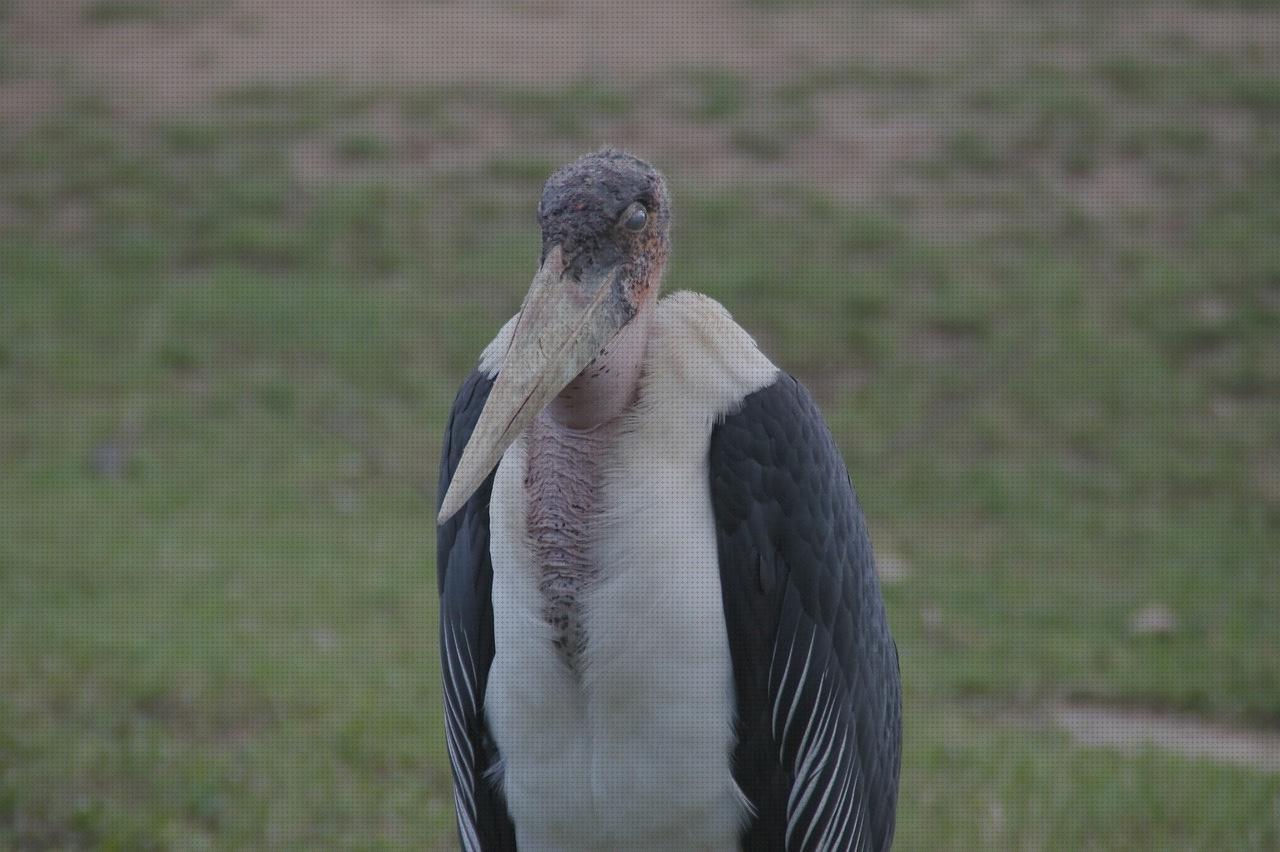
point(607, 386)
point(567, 445)
point(562, 480)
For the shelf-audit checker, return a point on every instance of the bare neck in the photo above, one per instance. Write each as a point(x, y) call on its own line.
point(607, 386)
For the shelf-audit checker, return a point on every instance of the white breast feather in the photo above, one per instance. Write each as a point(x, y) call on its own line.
point(636, 755)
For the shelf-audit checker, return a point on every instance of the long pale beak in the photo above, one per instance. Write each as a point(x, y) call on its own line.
point(564, 323)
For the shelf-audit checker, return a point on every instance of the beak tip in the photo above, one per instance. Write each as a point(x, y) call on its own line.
point(447, 509)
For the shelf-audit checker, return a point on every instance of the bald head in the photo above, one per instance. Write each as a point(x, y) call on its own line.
point(608, 208)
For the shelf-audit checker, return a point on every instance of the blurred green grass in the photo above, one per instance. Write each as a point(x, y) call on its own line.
point(222, 386)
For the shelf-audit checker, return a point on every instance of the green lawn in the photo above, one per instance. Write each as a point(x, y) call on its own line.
point(222, 388)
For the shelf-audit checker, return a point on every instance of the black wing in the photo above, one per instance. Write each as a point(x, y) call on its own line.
point(815, 669)
point(465, 575)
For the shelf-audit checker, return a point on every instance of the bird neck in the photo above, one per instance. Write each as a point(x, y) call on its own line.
point(607, 387)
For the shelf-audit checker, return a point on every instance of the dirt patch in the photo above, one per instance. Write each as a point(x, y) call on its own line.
point(1215, 29)
point(861, 139)
point(1132, 730)
point(24, 102)
point(166, 66)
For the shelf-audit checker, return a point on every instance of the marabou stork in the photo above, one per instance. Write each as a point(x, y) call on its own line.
point(660, 621)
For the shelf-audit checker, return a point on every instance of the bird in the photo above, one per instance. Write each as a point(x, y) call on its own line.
point(661, 625)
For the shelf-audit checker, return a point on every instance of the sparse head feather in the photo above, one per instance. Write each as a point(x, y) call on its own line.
point(582, 201)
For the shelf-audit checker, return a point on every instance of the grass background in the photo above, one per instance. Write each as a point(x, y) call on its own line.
point(1033, 277)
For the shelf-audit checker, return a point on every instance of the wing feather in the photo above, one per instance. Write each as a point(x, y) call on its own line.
point(815, 668)
point(465, 580)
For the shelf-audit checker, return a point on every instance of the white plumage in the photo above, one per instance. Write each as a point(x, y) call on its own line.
point(636, 753)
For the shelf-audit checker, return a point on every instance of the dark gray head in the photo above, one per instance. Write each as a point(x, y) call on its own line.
point(609, 209)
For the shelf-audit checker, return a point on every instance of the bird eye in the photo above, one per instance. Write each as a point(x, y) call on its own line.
point(635, 217)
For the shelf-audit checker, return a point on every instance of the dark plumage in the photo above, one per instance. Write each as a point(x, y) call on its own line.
point(795, 560)
point(465, 581)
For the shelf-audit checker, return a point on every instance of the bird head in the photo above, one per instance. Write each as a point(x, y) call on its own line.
point(610, 216)
point(605, 221)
